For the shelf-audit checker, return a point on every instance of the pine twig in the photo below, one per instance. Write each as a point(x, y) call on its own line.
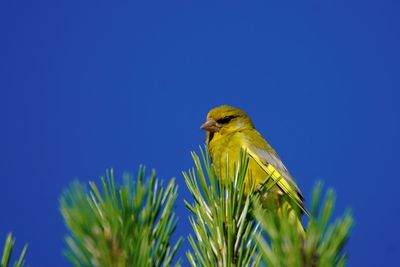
point(118, 226)
point(322, 245)
point(7, 253)
point(224, 232)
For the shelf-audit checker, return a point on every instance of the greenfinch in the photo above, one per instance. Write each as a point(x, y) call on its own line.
point(229, 130)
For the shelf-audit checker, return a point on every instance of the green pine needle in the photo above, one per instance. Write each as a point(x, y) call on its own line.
point(128, 225)
point(224, 233)
point(7, 253)
point(322, 245)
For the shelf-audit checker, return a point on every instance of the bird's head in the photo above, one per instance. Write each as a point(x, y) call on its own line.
point(224, 120)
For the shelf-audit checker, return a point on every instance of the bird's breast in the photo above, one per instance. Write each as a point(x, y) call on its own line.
point(225, 153)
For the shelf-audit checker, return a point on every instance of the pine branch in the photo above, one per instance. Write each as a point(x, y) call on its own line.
point(7, 253)
point(128, 225)
point(322, 245)
point(221, 217)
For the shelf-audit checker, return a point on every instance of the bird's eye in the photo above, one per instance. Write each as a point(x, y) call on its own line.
point(226, 119)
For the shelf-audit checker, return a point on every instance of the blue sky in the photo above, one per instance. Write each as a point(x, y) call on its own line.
point(89, 86)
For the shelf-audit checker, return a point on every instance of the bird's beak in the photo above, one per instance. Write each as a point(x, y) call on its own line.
point(210, 125)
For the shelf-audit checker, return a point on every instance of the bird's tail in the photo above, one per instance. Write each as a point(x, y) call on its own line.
point(284, 208)
point(287, 212)
point(295, 218)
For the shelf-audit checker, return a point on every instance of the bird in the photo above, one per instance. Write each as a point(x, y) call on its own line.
point(230, 130)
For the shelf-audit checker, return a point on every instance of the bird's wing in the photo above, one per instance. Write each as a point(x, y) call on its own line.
point(274, 167)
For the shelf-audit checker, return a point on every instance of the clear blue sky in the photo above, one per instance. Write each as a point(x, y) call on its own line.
point(88, 86)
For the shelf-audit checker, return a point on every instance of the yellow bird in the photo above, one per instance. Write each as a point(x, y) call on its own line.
point(229, 130)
